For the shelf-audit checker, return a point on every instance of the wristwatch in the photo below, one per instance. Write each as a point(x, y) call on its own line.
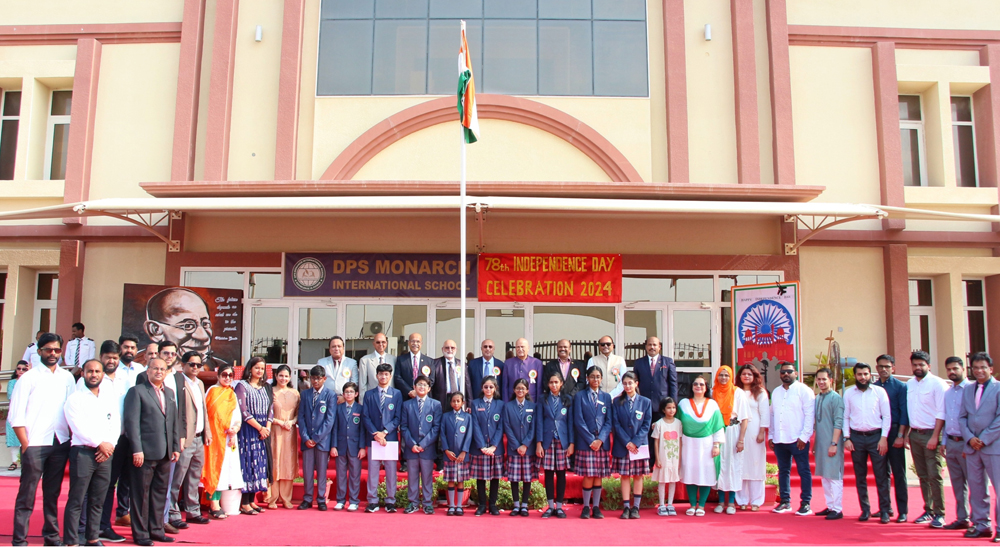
point(835, 444)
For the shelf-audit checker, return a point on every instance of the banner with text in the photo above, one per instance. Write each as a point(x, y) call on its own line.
point(550, 278)
point(377, 275)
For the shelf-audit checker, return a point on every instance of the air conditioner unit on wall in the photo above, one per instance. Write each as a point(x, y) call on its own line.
point(371, 328)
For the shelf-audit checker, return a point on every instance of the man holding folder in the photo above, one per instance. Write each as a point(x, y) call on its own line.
point(381, 411)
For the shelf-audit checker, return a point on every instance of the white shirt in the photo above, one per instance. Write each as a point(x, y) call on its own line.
point(118, 385)
point(37, 404)
point(792, 412)
point(93, 419)
point(925, 401)
point(31, 355)
point(867, 410)
point(199, 405)
point(78, 351)
point(130, 372)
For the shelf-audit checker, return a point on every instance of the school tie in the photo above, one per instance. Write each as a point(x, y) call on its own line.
point(76, 360)
point(489, 404)
point(652, 365)
point(415, 359)
point(520, 415)
point(486, 368)
point(381, 399)
point(980, 388)
point(555, 413)
point(420, 406)
point(630, 402)
point(452, 380)
point(593, 399)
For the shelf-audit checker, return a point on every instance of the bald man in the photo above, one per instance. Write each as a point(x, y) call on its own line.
point(411, 364)
point(522, 365)
point(572, 370)
point(367, 375)
point(450, 376)
point(612, 366)
point(181, 316)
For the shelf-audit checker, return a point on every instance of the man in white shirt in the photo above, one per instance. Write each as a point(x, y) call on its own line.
point(79, 349)
point(955, 443)
point(94, 420)
point(31, 352)
point(339, 369)
point(925, 407)
point(36, 414)
point(612, 366)
point(792, 421)
point(121, 370)
point(367, 373)
point(867, 421)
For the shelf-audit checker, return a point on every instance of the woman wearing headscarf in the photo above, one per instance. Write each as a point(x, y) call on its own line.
point(735, 412)
point(703, 433)
point(222, 456)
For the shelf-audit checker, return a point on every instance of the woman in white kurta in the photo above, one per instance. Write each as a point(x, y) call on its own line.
point(703, 433)
point(735, 414)
point(751, 495)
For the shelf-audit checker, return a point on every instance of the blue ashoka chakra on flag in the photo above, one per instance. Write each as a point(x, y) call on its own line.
point(766, 322)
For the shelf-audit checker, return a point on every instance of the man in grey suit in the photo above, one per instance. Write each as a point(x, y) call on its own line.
point(154, 432)
point(980, 421)
point(367, 373)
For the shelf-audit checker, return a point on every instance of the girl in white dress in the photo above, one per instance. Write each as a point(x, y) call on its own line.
point(751, 495)
point(667, 436)
point(735, 414)
point(704, 433)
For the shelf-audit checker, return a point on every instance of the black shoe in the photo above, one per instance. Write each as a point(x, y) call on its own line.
point(525, 512)
point(626, 513)
point(144, 542)
point(162, 539)
point(97, 543)
point(515, 512)
point(56, 542)
point(428, 510)
point(891, 513)
point(495, 511)
point(390, 509)
point(111, 535)
point(480, 510)
point(459, 511)
point(865, 515)
point(595, 512)
point(635, 513)
point(179, 524)
point(560, 514)
point(321, 506)
point(371, 508)
point(884, 518)
point(835, 516)
point(823, 513)
point(973, 533)
point(304, 505)
point(925, 518)
point(197, 519)
point(902, 518)
point(548, 513)
point(958, 525)
point(586, 512)
point(411, 508)
point(451, 512)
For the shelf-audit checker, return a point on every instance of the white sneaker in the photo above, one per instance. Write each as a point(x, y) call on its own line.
point(661, 510)
point(352, 507)
point(338, 507)
point(720, 508)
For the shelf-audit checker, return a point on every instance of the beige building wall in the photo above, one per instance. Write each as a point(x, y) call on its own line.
point(953, 14)
point(82, 12)
point(107, 268)
point(22, 263)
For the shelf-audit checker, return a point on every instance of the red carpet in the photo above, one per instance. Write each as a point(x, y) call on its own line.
point(291, 527)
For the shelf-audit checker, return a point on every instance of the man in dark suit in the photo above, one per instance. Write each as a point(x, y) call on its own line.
point(410, 365)
point(484, 366)
point(896, 390)
point(154, 433)
point(980, 422)
point(574, 372)
point(657, 379)
point(450, 376)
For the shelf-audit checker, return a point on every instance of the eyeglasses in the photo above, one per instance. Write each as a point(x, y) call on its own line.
point(195, 365)
point(604, 343)
point(787, 372)
point(190, 325)
point(226, 375)
point(51, 350)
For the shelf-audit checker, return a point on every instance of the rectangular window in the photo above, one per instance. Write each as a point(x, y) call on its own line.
point(522, 47)
point(965, 142)
point(975, 316)
point(911, 139)
point(922, 315)
point(46, 298)
point(10, 113)
point(57, 143)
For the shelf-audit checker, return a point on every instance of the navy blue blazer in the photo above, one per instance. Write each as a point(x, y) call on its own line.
point(348, 432)
point(402, 377)
point(316, 417)
point(585, 419)
point(659, 386)
point(519, 432)
point(630, 427)
point(896, 390)
point(386, 420)
point(456, 432)
point(476, 376)
point(487, 428)
point(554, 416)
point(421, 428)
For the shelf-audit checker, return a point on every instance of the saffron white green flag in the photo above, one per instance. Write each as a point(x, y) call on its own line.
point(467, 92)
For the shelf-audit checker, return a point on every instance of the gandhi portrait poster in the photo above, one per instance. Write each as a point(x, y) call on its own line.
point(209, 321)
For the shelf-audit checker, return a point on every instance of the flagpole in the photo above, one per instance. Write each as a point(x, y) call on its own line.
point(461, 250)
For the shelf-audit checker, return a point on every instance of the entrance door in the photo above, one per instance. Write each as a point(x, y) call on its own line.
point(503, 324)
point(692, 341)
point(314, 324)
point(267, 326)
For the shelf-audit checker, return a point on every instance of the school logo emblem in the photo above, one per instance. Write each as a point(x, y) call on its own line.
point(496, 417)
point(529, 419)
point(425, 371)
point(391, 406)
point(308, 274)
point(496, 371)
point(604, 410)
point(430, 418)
point(461, 429)
point(638, 414)
point(322, 408)
point(357, 420)
point(575, 373)
point(563, 411)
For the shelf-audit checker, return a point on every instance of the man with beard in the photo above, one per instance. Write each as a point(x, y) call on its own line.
point(954, 443)
point(522, 365)
point(792, 421)
point(573, 373)
point(867, 420)
point(36, 414)
point(115, 385)
point(450, 376)
point(896, 390)
point(980, 421)
point(128, 372)
point(829, 449)
point(925, 406)
point(612, 366)
point(94, 419)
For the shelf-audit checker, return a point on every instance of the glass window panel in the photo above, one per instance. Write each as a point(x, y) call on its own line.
point(692, 338)
point(401, 57)
point(667, 289)
point(397, 322)
point(564, 60)
point(909, 140)
point(518, 9)
point(504, 327)
point(214, 280)
point(965, 155)
point(961, 109)
point(909, 107)
point(620, 9)
point(727, 337)
point(269, 334)
point(345, 58)
point(442, 78)
point(640, 325)
point(921, 293)
point(347, 9)
point(620, 59)
point(395, 9)
point(46, 289)
point(581, 325)
point(685, 379)
point(726, 283)
point(457, 8)
point(3, 288)
point(60, 146)
point(265, 285)
point(448, 327)
point(8, 148)
point(62, 103)
point(564, 9)
point(920, 332)
point(973, 292)
point(977, 330)
point(46, 319)
point(316, 327)
point(510, 57)
point(12, 103)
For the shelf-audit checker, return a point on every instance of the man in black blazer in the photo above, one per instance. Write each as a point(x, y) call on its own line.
point(573, 371)
point(450, 375)
point(410, 365)
point(484, 366)
point(657, 379)
point(154, 433)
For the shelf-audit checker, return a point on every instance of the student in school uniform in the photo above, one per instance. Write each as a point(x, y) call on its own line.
point(348, 448)
point(487, 445)
point(381, 413)
point(519, 423)
point(555, 442)
point(456, 438)
point(420, 426)
point(592, 430)
point(316, 416)
point(631, 419)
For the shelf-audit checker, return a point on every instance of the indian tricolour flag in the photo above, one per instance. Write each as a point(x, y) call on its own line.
point(467, 92)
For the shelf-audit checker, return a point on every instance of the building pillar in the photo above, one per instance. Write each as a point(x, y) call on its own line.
point(70, 297)
point(897, 301)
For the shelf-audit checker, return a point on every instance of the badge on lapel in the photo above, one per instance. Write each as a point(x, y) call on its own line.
point(391, 406)
point(430, 418)
point(575, 373)
point(496, 417)
point(322, 408)
point(461, 429)
point(563, 411)
point(496, 371)
point(357, 420)
point(532, 375)
point(346, 373)
point(426, 371)
point(638, 414)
